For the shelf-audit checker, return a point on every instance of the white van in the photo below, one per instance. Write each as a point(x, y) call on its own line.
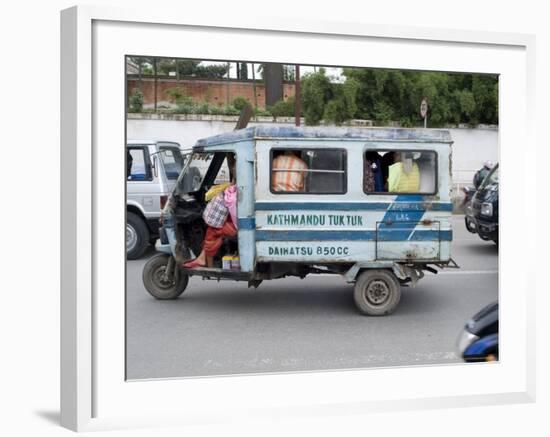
point(151, 171)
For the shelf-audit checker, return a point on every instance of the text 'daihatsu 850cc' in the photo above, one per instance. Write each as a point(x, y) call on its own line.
point(371, 205)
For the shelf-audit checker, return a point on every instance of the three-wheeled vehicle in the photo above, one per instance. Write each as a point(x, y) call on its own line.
point(370, 204)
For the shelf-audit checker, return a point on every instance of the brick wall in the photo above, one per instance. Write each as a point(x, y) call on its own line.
point(214, 92)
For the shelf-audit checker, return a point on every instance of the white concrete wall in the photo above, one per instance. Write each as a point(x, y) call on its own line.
point(472, 147)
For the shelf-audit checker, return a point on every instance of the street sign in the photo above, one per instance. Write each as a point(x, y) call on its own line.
point(424, 110)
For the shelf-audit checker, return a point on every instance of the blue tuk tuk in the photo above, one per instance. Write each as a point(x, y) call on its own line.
point(370, 204)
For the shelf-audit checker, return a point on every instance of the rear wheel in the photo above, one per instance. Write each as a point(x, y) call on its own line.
point(162, 278)
point(137, 236)
point(377, 292)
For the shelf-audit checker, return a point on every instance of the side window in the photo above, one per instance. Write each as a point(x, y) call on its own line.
point(400, 171)
point(171, 160)
point(313, 171)
point(136, 165)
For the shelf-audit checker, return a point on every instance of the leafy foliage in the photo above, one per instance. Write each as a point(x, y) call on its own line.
point(316, 92)
point(136, 101)
point(177, 95)
point(332, 102)
point(385, 95)
point(289, 73)
point(242, 70)
point(183, 67)
point(191, 68)
point(166, 66)
point(374, 94)
point(240, 103)
point(224, 110)
point(342, 107)
point(283, 108)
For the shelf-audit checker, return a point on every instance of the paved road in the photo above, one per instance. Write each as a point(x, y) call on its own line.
point(310, 324)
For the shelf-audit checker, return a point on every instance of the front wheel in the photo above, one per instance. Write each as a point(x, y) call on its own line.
point(162, 278)
point(377, 292)
point(137, 236)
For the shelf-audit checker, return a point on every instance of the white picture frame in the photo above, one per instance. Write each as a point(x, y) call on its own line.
point(94, 394)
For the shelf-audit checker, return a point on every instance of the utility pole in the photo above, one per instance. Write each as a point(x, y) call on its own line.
point(424, 111)
point(297, 97)
point(227, 89)
point(155, 80)
point(254, 87)
point(273, 74)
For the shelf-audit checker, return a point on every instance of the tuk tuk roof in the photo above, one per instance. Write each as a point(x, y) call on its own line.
point(335, 133)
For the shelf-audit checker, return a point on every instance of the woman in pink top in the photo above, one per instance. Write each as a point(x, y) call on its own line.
point(213, 238)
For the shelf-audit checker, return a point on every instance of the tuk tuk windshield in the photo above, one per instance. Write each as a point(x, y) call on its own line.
point(194, 172)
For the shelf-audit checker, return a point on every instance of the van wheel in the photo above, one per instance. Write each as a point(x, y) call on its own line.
point(158, 284)
point(137, 236)
point(377, 292)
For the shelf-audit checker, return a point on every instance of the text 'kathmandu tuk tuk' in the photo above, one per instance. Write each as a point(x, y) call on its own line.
point(371, 204)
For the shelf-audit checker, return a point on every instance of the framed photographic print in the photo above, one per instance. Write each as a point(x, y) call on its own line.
point(277, 219)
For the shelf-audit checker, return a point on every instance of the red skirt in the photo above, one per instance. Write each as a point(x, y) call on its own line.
point(214, 237)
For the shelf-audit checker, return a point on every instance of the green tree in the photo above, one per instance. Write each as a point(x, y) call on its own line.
point(386, 95)
point(289, 73)
point(283, 108)
point(240, 103)
point(166, 66)
point(485, 92)
point(136, 101)
point(341, 107)
point(192, 68)
point(242, 70)
point(177, 95)
point(315, 93)
point(464, 109)
point(144, 64)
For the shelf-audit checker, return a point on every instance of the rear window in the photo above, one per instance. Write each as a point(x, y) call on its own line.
point(136, 165)
point(400, 171)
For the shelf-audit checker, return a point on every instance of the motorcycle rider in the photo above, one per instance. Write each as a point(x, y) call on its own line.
point(482, 172)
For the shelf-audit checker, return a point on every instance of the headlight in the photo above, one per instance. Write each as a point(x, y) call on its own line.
point(487, 209)
point(466, 339)
point(469, 210)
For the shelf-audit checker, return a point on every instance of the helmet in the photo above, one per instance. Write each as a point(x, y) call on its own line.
point(488, 165)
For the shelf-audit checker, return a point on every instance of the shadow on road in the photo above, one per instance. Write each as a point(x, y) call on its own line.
point(292, 302)
point(485, 248)
point(264, 302)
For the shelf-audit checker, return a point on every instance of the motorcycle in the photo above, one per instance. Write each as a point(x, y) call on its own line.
point(478, 340)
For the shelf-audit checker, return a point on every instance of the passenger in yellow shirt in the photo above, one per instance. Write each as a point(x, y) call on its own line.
point(404, 176)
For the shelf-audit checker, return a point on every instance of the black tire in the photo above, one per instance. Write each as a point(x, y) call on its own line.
point(377, 292)
point(137, 236)
point(158, 288)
